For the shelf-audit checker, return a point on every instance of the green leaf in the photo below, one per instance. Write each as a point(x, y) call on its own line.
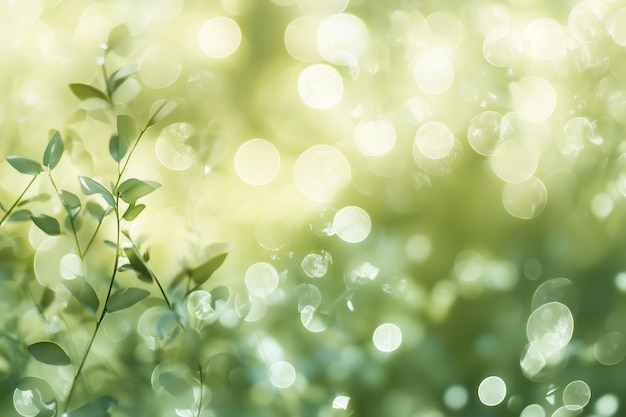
point(91, 186)
point(39, 197)
point(82, 290)
point(97, 408)
point(117, 148)
point(217, 256)
point(110, 244)
point(95, 210)
point(54, 151)
point(86, 92)
point(133, 189)
point(48, 224)
point(133, 211)
point(125, 267)
point(118, 77)
point(124, 299)
point(47, 297)
point(119, 144)
point(2, 208)
point(73, 223)
point(219, 297)
point(117, 35)
point(163, 110)
point(138, 264)
point(126, 129)
point(49, 353)
point(19, 216)
point(43, 398)
point(71, 202)
point(178, 387)
point(25, 165)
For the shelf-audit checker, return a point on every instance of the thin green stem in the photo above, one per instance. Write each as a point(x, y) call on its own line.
point(82, 363)
point(104, 310)
point(106, 83)
point(130, 154)
point(167, 301)
point(69, 215)
point(10, 210)
point(201, 385)
point(92, 238)
point(152, 274)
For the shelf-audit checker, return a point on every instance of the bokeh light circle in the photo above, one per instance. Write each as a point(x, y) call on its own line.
point(320, 172)
point(352, 224)
point(320, 86)
point(300, 38)
point(160, 66)
point(434, 140)
point(526, 199)
point(492, 390)
point(550, 327)
point(376, 138)
point(257, 162)
point(341, 39)
point(387, 337)
point(282, 374)
point(219, 37)
point(261, 279)
point(433, 72)
point(172, 146)
point(534, 98)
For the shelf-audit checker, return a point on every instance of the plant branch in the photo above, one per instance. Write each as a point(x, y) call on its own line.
point(92, 238)
point(104, 310)
point(130, 154)
point(10, 210)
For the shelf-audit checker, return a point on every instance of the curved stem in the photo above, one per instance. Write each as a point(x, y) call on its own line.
point(10, 210)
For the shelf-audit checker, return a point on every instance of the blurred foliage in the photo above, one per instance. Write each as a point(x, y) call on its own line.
point(478, 231)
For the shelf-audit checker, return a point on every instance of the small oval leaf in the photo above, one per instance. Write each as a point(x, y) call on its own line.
point(19, 216)
point(85, 92)
point(118, 77)
point(124, 299)
point(47, 224)
point(25, 165)
point(133, 189)
point(47, 297)
point(117, 148)
point(97, 408)
point(82, 290)
point(91, 186)
point(133, 211)
point(138, 265)
point(178, 387)
point(95, 210)
point(49, 353)
point(217, 255)
point(54, 151)
point(162, 111)
point(126, 129)
point(71, 202)
point(117, 35)
point(38, 197)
